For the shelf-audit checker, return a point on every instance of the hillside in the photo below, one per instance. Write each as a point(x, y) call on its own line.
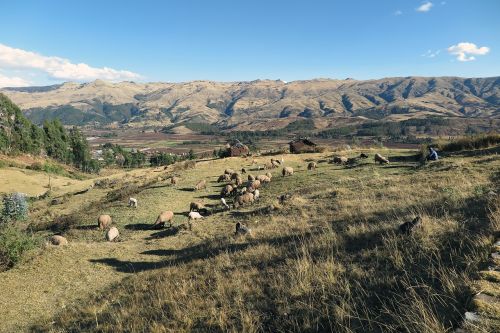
point(327, 259)
point(252, 104)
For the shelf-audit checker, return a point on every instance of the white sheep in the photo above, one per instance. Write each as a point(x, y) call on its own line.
point(194, 216)
point(132, 202)
point(256, 195)
point(224, 203)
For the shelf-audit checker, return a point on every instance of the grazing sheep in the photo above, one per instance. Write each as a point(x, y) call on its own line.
point(254, 162)
point(287, 171)
point(194, 216)
point(245, 198)
point(312, 166)
point(224, 203)
point(229, 171)
point(242, 230)
point(243, 170)
point(58, 240)
point(226, 191)
point(166, 216)
point(275, 163)
point(235, 175)
point(380, 159)
point(363, 155)
point(112, 234)
point(202, 184)
point(284, 197)
point(251, 177)
point(103, 221)
point(196, 206)
point(224, 178)
point(339, 159)
point(256, 195)
point(407, 227)
point(132, 202)
point(174, 180)
point(270, 175)
point(239, 181)
point(263, 179)
point(253, 185)
point(268, 166)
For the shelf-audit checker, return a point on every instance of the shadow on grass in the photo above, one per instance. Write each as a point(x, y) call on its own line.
point(87, 227)
point(139, 226)
point(168, 232)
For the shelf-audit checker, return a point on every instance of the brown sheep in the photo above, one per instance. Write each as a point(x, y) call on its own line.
point(242, 230)
point(224, 178)
point(253, 185)
point(268, 166)
point(270, 175)
point(239, 181)
point(287, 171)
point(263, 179)
point(174, 180)
point(229, 171)
point(312, 166)
point(196, 206)
point(104, 221)
point(245, 198)
point(251, 177)
point(275, 163)
point(380, 159)
point(58, 240)
point(339, 159)
point(202, 184)
point(166, 216)
point(227, 190)
point(235, 175)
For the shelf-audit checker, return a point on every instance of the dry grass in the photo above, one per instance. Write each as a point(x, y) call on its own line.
point(328, 259)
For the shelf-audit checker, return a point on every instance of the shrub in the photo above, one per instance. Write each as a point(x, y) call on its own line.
point(15, 207)
point(471, 142)
point(13, 244)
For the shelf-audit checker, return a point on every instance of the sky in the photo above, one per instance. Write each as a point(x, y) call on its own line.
point(49, 42)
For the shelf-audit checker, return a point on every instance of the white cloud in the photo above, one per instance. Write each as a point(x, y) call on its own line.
point(15, 81)
point(59, 68)
point(425, 7)
point(466, 51)
point(398, 12)
point(431, 54)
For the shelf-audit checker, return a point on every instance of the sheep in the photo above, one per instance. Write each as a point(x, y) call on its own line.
point(263, 179)
point(174, 180)
point(58, 240)
point(224, 178)
point(407, 227)
point(202, 184)
point(254, 161)
point(103, 221)
point(256, 194)
point(287, 171)
point(380, 159)
point(224, 203)
point(284, 197)
point(242, 230)
point(253, 185)
point(339, 159)
point(268, 166)
point(226, 191)
point(312, 166)
point(112, 234)
point(243, 199)
point(243, 170)
point(270, 175)
point(363, 155)
point(165, 216)
point(235, 175)
point(229, 171)
point(196, 206)
point(239, 181)
point(193, 216)
point(251, 177)
point(132, 202)
point(275, 163)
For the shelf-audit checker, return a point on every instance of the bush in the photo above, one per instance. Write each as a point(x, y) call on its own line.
point(13, 244)
point(15, 207)
point(472, 142)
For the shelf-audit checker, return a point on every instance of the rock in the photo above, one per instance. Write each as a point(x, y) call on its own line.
point(112, 234)
point(58, 240)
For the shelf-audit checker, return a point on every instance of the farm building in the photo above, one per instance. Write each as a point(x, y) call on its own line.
point(237, 149)
point(302, 145)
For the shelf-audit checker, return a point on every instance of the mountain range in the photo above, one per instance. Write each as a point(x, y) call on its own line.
point(259, 103)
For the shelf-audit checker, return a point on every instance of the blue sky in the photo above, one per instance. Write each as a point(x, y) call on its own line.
point(46, 42)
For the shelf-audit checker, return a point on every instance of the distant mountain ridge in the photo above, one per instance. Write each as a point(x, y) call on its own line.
point(243, 104)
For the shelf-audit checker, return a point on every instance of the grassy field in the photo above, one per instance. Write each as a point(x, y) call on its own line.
point(328, 259)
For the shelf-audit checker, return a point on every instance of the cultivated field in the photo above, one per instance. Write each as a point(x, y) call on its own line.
point(329, 258)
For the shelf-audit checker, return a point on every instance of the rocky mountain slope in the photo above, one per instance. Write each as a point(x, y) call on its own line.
point(235, 104)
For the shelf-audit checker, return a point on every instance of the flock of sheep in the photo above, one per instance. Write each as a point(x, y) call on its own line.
point(242, 192)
